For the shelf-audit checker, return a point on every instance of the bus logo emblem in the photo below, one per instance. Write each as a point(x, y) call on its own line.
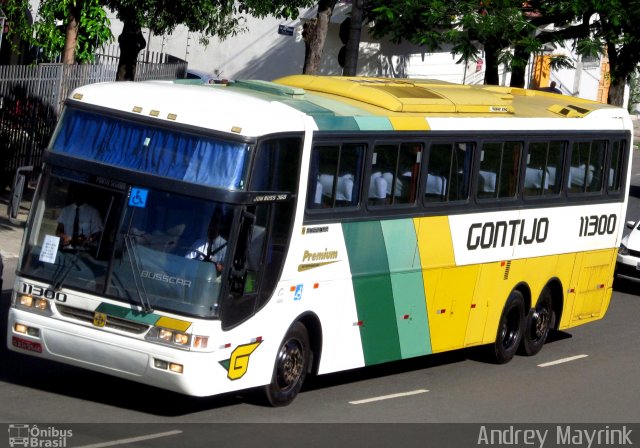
point(99, 320)
point(238, 364)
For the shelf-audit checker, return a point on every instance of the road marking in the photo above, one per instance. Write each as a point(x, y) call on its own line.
point(389, 397)
point(563, 360)
point(133, 439)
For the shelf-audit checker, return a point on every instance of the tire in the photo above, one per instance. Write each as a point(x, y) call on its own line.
point(510, 329)
point(290, 368)
point(539, 323)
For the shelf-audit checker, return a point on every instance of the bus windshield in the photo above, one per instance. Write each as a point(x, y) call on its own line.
point(150, 248)
point(142, 147)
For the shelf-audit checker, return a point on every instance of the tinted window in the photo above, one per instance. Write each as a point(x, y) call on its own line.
point(587, 165)
point(615, 170)
point(276, 165)
point(395, 170)
point(499, 168)
point(543, 172)
point(448, 172)
point(335, 176)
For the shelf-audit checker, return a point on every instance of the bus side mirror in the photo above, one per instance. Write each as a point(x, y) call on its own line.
point(17, 189)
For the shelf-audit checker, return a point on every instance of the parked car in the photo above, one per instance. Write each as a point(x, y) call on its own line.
point(628, 262)
point(206, 78)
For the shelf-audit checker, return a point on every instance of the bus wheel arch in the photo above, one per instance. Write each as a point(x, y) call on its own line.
point(510, 328)
point(294, 359)
point(314, 330)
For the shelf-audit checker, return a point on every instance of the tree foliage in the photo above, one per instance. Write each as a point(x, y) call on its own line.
point(83, 22)
point(509, 31)
point(57, 18)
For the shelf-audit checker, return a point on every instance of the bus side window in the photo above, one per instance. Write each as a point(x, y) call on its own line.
point(499, 170)
point(335, 176)
point(276, 165)
point(587, 166)
point(448, 172)
point(395, 170)
point(614, 182)
point(543, 171)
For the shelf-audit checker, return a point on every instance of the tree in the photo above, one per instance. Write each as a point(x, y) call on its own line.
point(352, 45)
point(84, 28)
point(467, 26)
point(85, 25)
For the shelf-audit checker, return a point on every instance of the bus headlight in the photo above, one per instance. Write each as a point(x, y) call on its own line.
point(33, 304)
point(168, 337)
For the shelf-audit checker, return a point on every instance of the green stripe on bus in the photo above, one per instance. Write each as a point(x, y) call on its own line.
point(128, 313)
point(373, 291)
point(333, 123)
point(374, 123)
point(408, 287)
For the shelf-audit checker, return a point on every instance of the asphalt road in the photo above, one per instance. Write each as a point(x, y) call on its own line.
point(586, 375)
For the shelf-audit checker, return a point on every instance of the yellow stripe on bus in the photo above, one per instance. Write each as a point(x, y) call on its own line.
point(173, 324)
point(409, 123)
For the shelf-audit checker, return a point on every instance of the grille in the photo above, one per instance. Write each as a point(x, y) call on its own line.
point(112, 322)
point(634, 253)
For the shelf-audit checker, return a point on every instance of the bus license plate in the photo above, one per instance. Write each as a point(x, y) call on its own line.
point(27, 345)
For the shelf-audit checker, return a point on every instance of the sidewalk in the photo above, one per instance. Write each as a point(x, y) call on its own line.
point(11, 232)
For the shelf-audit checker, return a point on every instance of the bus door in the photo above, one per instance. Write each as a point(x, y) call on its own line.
point(263, 229)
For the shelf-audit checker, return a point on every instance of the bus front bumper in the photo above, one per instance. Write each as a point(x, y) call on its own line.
point(202, 374)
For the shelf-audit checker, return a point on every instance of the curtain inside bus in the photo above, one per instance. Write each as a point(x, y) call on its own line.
point(141, 147)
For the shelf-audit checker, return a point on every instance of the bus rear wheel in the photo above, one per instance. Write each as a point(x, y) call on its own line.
point(291, 365)
point(510, 329)
point(538, 324)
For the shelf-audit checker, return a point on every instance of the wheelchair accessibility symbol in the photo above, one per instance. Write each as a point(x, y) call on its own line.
point(298, 293)
point(138, 197)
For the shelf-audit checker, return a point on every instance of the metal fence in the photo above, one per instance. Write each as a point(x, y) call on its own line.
point(31, 99)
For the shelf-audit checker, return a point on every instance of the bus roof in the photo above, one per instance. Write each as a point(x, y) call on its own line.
point(202, 105)
point(429, 104)
point(254, 108)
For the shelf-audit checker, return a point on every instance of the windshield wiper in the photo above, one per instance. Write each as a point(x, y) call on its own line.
point(57, 284)
point(143, 298)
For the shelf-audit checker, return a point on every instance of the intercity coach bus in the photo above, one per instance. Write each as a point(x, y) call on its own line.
point(355, 221)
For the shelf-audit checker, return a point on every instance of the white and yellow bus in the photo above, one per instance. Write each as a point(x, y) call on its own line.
point(356, 221)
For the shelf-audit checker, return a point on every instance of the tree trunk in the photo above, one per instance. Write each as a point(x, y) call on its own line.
point(519, 67)
point(619, 73)
point(491, 76)
point(616, 92)
point(71, 38)
point(131, 44)
point(353, 43)
point(314, 33)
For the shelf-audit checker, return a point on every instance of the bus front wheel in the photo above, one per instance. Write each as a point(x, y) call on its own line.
point(291, 365)
point(538, 324)
point(510, 329)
